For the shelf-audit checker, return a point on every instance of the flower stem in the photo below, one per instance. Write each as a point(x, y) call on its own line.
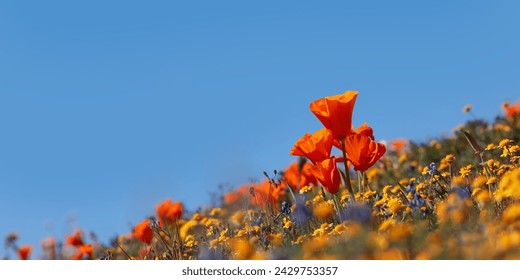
point(347, 175)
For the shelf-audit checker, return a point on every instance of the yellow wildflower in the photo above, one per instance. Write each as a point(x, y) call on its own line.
point(305, 189)
point(457, 181)
point(313, 247)
point(276, 238)
point(186, 227)
point(323, 229)
point(396, 189)
point(215, 211)
point(287, 224)
point(491, 180)
point(482, 196)
point(509, 186)
point(242, 249)
point(238, 218)
point(490, 147)
point(323, 210)
point(339, 229)
point(197, 217)
point(511, 214)
point(443, 165)
point(449, 158)
point(420, 187)
point(465, 171)
point(386, 225)
point(504, 143)
point(395, 205)
point(400, 231)
point(241, 232)
point(509, 240)
point(480, 181)
point(369, 194)
point(502, 127)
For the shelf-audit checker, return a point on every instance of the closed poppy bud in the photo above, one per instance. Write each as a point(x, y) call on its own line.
point(335, 112)
point(24, 251)
point(315, 147)
point(326, 172)
point(144, 232)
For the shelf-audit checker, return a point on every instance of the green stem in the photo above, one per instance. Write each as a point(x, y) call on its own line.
point(347, 175)
point(337, 205)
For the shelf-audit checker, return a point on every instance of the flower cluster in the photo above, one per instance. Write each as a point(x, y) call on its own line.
point(347, 197)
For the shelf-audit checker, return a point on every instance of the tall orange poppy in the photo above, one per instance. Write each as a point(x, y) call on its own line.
point(297, 179)
point(327, 174)
point(24, 251)
point(75, 239)
point(335, 112)
point(168, 211)
point(362, 152)
point(315, 147)
point(144, 232)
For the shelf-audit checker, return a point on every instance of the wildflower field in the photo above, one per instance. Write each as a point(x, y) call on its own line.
point(345, 196)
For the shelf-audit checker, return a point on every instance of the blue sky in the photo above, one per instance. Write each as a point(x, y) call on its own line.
point(109, 107)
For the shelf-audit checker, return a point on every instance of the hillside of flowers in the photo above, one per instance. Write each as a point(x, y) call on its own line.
point(345, 196)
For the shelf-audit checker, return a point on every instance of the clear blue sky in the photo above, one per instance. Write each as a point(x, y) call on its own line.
point(109, 107)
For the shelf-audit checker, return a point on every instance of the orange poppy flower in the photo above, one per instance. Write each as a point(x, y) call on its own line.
point(362, 152)
point(82, 251)
point(315, 147)
point(363, 129)
point(335, 112)
point(327, 174)
point(297, 179)
point(266, 193)
point(511, 110)
point(75, 239)
point(399, 144)
point(144, 232)
point(232, 197)
point(24, 251)
point(167, 211)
